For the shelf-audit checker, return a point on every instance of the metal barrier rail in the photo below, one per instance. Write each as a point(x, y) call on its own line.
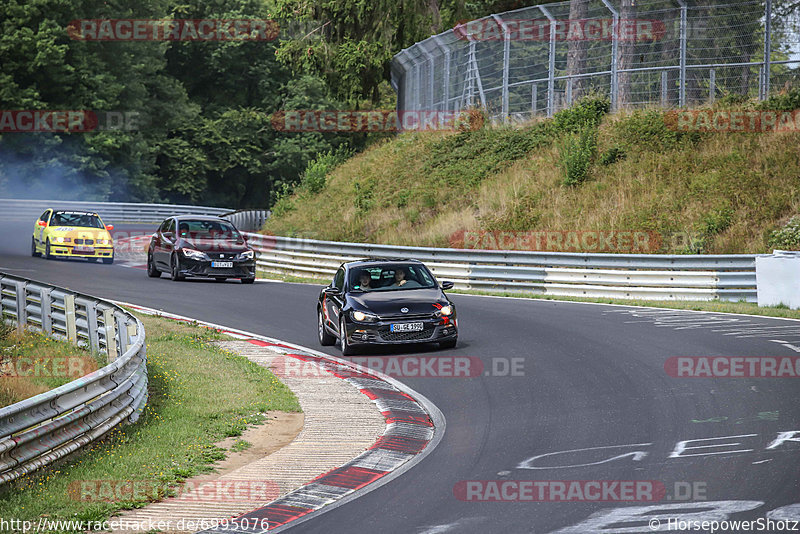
point(635, 276)
point(109, 211)
point(42, 429)
point(248, 220)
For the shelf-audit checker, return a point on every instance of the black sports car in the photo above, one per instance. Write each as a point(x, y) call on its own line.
point(193, 245)
point(385, 302)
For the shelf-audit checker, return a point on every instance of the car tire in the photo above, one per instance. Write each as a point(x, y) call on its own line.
point(248, 280)
point(175, 273)
point(108, 261)
point(152, 270)
point(449, 344)
point(346, 348)
point(326, 339)
point(47, 255)
point(33, 248)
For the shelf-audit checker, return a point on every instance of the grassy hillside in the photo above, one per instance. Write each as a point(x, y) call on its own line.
point(582, 170)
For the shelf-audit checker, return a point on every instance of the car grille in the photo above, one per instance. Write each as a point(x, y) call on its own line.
point(84, 241)
point(407, 336)
point(217, 256)
point(409, 317)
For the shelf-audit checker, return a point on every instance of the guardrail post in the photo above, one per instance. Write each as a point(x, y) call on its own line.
point(122, 330)
point(69, 318)
point(47, 311)
point(92, 326)
point(22, 302)
point(111, 334)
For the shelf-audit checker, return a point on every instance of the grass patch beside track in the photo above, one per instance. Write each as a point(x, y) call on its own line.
point(718, 306)
point(199, 394)
point(31, 363)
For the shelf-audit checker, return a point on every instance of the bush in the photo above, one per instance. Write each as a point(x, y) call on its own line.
point(611, 156)
point(649, 131)
point(576, 155)
point(788, 237)
point(788, 100)
point(587, 113)
point(317, 170)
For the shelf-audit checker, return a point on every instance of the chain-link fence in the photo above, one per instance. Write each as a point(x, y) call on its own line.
point(540, 59)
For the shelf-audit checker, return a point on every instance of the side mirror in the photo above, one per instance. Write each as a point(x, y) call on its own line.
point(447, 285)
point(43, 224)
point(169, 235)
point(332, 291)
point(109, 227)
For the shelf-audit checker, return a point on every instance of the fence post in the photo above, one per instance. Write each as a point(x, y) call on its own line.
point(569, 91)
point(682, 81)
point(664, 94)
point(506, 63)
point(712, 85)
point(446, 79)
point(551, 71)
point(614, 53)
point(767, 48)
point(69, 318)
point(534, 96)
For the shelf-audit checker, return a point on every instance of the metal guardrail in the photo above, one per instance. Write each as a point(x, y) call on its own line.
point(42, 429)
point(248, 220)
point(634, 276)
point(14, 209)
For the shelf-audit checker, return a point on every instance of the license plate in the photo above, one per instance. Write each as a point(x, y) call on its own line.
point(83, 249)
point(406, 327)
point(222, 264)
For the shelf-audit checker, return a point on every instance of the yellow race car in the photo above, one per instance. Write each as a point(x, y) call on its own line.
point(72, 234)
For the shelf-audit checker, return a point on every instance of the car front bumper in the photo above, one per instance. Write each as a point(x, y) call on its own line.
point(240, 269)
point(379, 333)
point(68, 251)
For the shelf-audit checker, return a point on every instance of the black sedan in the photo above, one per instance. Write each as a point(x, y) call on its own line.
point(385, 302)
point(192, 245)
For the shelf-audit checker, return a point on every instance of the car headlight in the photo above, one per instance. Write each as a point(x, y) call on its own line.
point(194, 254)
point(63, 240)
point(246, 255)
point(446, 310)
point(364, 317)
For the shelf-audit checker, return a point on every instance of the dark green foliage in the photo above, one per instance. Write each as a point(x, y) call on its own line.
point(576, 156)
point(611, 156)
point(586, 113)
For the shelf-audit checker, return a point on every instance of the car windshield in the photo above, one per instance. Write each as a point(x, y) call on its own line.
point(391, 277)
point(208, 230)
point(72, 218)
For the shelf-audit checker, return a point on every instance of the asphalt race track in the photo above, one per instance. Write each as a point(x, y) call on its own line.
point(587, 376)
